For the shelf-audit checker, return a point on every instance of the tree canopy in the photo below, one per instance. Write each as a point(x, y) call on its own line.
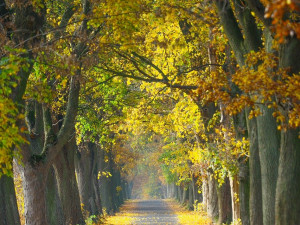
point(193, 90)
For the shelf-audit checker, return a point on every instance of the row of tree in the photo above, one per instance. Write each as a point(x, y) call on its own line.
point(216, 81)
point(45, 62)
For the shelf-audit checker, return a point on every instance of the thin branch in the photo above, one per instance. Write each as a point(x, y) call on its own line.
point(122, 74)
point(197, 68)
point(147, 61)
point(191, 12)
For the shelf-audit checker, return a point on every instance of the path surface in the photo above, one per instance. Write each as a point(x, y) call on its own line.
point(153, 212)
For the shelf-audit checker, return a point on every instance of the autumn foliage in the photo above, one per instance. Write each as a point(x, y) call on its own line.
point(176, 92)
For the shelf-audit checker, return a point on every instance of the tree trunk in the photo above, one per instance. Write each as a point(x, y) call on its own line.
point(255, 203)
point(185, 194)
point(114, 181)
point(197, 196)
point(212, 199)
point(191, 197)
point(34, 185)
point(53, 204)
point(119, 184)
point(124, 191)
point(269, 145)
point(205, 193)
point(129, 189)
point(179, 193)
point(288, 191)
point(175, 192)
point(224, 203)
point(87, 173)
point(234, 186)
point(67, 184)
point(288, 184)
point(244, 186)
point(105, 183)
point(240, 126)
point(8, 204)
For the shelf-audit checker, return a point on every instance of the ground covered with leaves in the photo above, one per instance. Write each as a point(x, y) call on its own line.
point(156, 212)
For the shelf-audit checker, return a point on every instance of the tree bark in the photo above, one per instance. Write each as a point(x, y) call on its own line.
point(288, 193)
point(53, 204)
point(191, 197)
point(115, 181)
point(212, 199)
point(197, 196)
point(205, 193)
point(224, 203)
point(105, 183)
point(244, 186)
point(269, 146)
point(34, 185)
point(87, 173)
point(241, 131)
point(117, 184)
point(64, 167)
point(185, 195)
point(288, 183)
point(16, 34)
point(255, 204)
point(8, 204)
point(234, 186)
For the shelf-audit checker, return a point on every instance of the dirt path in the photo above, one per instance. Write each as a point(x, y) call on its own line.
point(152, 212)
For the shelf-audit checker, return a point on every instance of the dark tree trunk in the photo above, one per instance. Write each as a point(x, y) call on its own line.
point(177, 193)
point(54, 209)
point(288, 191)
point(105, 183)
point(255, 204)
point(115, 181)
point(8, 204)
point(244, 192)
point(197, 195)
point(212, 199)
point(185, 195)
point(224, 203)
point(67, 185)
point(118, 184)
point(124, 189)
point(269, 145)
point(240, 126)
point(10, 24)
point(171, 190)
point(87, 175)
point(191, 197)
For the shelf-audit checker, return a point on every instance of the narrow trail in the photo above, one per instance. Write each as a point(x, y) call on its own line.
point(156, 212)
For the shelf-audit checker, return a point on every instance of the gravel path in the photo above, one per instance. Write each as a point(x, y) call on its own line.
point(153, 212)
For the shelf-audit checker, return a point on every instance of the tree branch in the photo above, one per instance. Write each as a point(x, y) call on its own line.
point(259, 9)
point(231, 29)
point(64, 21)
point(148, 62)
point(251, 32)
